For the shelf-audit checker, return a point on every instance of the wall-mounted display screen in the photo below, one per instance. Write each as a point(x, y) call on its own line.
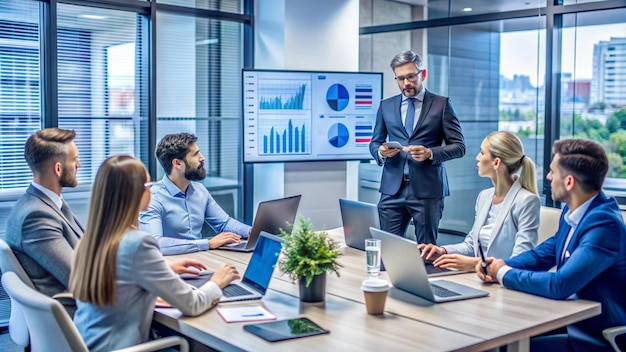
point(308, 116)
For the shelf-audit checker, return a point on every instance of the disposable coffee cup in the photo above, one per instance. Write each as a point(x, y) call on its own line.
point(375, 292)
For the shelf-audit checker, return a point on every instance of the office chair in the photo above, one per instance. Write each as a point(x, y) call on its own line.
point(51, 328)
point(611, 334)
point(18, 330)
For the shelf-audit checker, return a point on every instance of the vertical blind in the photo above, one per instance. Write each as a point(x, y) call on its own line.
point(99, 85)
point(200, 92)
point(19, 89)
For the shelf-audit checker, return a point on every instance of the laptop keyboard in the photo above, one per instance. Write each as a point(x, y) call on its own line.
point(443, 292)
point(235, 290)
point(242, 244)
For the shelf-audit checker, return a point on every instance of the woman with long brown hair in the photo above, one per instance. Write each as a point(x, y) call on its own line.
point(118, 271)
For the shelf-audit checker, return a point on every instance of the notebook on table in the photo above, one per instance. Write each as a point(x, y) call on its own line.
point(271, 216)
point(258, 273)
point(407, 272)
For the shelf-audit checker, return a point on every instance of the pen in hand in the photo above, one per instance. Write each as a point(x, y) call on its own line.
point(483, 263)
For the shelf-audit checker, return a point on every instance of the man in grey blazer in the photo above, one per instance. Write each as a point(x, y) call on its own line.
point(414, 181)
point(41, 230)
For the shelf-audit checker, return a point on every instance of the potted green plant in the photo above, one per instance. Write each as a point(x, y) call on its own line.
point(307, 256)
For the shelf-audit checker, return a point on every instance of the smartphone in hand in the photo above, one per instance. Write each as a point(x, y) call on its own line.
point(393, 145)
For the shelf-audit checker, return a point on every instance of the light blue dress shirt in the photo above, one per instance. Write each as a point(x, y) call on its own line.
point(175, 219)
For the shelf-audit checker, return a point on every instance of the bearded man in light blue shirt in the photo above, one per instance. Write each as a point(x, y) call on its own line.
point(180, 205)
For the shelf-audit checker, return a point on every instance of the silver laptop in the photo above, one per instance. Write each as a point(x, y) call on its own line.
point(357, 218)
point(271, 216)
point(407, 271)
point(258, 274)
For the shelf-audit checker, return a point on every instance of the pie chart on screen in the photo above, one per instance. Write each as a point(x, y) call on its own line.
point(338, 135)
point(337, 97)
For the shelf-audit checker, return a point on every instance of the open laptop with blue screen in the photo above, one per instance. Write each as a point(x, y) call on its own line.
point(271, 216)
point(407, 271)
point(258, 274)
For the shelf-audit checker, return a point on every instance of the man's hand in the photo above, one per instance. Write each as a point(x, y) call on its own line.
point(493, 265)
point(388, 152)
point(224, 238)
point(225, 275)
point(183, 266)
point(418, 152)
point(431, 251)
point(457, 262)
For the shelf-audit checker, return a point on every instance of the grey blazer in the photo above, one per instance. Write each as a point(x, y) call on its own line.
point(515, 228)
point(43, 240)
point(141, 275)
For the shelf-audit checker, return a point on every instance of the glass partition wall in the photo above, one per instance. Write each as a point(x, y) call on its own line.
point(540, 69)
point(122, 74)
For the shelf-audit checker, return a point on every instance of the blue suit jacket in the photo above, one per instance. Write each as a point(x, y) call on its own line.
point(594, 270)
point(437, 124)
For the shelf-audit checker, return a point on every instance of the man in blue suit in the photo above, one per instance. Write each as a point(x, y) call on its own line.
point(414, 181)
point(588, 250)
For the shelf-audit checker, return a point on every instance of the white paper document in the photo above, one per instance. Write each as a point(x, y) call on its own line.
point(247, 313)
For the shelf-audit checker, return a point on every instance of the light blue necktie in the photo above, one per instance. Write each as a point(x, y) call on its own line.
point(408, 125)
point(410, 116)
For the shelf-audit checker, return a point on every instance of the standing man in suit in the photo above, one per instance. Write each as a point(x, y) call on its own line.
point(588, 250)
point(414, 181)
point(41, 230)
point(180, 205)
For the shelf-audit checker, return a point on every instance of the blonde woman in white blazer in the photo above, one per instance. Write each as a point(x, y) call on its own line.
point(507, 215)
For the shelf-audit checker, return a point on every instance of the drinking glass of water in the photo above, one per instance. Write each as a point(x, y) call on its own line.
point(372, 251)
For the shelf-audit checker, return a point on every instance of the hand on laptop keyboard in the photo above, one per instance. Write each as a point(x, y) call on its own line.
point(225, 275)
point(223, 238)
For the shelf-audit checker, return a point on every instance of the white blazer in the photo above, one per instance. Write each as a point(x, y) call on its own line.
point(514, 230)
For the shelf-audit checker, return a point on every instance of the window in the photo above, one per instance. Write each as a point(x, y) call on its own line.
point(104, 90)
point(593, 89)
point(503, 85)
point(19, 90)
point(200, 92)
point(101, 91)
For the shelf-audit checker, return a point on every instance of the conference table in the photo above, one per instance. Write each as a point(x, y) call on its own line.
point(505, 317)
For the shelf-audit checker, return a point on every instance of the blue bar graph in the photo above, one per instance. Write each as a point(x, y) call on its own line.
point(291, 140)
point(294, 101)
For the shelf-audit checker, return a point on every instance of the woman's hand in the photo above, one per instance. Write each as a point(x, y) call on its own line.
point(431, 251)
point(187, 266)
point(225, 275)
point(456, 262)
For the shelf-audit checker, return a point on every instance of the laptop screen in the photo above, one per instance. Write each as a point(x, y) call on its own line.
point(261, 265)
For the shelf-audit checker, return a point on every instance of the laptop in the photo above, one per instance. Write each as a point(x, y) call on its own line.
point(257, 277)
point(357, 218)
point(271, 216)
point(407, 272)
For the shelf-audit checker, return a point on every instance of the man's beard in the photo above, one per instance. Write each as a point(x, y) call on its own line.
point(195, 174)
point(67, 179)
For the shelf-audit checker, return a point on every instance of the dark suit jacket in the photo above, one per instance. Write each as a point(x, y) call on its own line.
point(437, 124)
point(594, 270)
point(43, 240)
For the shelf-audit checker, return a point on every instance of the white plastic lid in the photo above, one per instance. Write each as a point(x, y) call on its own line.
point(375, 285)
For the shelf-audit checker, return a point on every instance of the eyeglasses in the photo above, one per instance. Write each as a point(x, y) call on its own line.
point(148, 185)
point(411, 77)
